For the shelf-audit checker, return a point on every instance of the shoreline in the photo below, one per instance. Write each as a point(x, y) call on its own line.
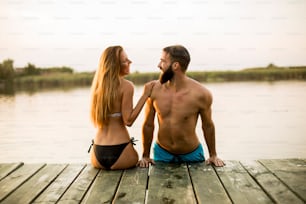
point(84, 79)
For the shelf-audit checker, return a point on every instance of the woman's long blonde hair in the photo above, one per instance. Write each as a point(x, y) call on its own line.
point(105, 85)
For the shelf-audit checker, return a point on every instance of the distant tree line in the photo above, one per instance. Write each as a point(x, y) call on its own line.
point(36, 78)
point(8, 72)
point(269, 73)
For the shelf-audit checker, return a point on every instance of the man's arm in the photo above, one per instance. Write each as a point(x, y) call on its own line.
point(147, 134)
point(208, 128)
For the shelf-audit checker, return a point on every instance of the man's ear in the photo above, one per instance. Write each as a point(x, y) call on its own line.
point(175, 66)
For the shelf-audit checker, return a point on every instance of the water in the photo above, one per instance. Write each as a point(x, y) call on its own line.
point(253, 120)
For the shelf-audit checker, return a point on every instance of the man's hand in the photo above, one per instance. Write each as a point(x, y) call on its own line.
point(144, 162)
point(215, 160)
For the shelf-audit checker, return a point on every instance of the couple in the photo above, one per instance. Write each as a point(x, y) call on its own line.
point(176, 99)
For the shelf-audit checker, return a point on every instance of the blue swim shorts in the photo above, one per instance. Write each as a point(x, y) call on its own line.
point(162, 155)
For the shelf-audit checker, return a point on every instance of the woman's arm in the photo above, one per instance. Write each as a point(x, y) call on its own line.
point(129, 114)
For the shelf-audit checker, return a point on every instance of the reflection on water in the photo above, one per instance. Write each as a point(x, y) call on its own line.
point(253, 120)
point(7, 87)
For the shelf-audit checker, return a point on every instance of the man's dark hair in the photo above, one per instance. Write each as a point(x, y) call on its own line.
point(180, 54)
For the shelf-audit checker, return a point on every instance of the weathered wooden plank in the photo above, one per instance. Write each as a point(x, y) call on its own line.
point(283, 180)
point(132, 188)
point(207, 185)
point(35, 185)
point(79, 187)
point(272, 185)
point(292, 172)
point(56, 189)
point(17, 178)
point(7, 168)
point(104, 188)
point(170, 183)
point(240, 185)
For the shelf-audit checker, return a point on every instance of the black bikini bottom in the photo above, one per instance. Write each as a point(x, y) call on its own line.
point(107, 155)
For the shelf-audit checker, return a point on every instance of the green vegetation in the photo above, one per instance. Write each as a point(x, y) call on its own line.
point(7, 71)
point(31, 70)
point(31, 77)
point(53, 80)
point(269, 73)
point(259, 74)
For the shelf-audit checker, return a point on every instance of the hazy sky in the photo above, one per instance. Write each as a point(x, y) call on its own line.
point(219, 34)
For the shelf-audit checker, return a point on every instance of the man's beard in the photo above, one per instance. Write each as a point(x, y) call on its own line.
point(166, 75)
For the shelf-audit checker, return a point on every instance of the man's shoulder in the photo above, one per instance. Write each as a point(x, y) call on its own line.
point(156, 88)
point(157, 84)
point(198, 87)
point(200, 90)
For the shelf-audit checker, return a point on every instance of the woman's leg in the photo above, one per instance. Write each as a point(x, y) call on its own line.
point(127, 159)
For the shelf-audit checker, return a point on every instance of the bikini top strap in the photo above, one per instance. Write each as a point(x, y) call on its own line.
point(113, 115)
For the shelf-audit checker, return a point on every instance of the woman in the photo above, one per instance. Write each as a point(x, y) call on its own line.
point(112, 110)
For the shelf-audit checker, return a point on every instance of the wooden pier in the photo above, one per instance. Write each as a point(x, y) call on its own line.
point(262, 181)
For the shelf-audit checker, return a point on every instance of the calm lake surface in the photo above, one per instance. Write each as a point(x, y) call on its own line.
point(253, 120)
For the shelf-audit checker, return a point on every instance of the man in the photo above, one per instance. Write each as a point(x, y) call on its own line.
point(178, 101)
